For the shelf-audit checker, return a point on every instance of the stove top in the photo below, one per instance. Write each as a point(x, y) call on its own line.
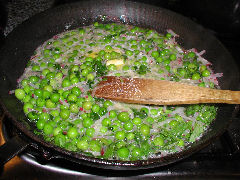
point(221, 159)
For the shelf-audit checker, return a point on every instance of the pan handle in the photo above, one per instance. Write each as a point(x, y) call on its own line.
point(12, 148)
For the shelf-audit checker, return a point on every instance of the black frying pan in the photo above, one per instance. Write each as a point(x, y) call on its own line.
point(21, 43)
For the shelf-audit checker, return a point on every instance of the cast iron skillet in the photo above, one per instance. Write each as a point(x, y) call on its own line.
point(22, 42)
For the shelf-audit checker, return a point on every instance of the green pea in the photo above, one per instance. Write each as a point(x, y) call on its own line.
point(40, 102)
point(72, 132)
point(196, 76)
point(20, 94)
point(90, 59)
point(191, 54)
point(106, 122)
point(45, 72)
point(87, 105)
point(130, 136)
point(90, 77)
point(27, 107)
point(137, 63)
point(108, 47)
point(71, 98)
point(47, 129)
point(55, 97)
point(112, 67)
point(166, 62)
point(46, 94)
point(137, 121)
point(137, 152)
point(57, 131)
point(95, 108)
point(40, 124)
point(36, 68)
point(150, 120)
point(155, 54)
point(202, 84)
point(103, 129)
point(33, 79)
point(50, 104)
point(144, 109)
point(60, 140)
point(158, 141)
point(168, 35)
point(123, 153)
point(33, 101)
point(123, 116)
point(112, 114)
point(27, 89)
point(55, 43)
point(125, 68)
point(136, 52)
point(81, 31)
point(44, 116)
point(24, 82)
point(82, 145)
point(74, 108)
point(32, 115)
point(107, 103)
point(74, 80)
point(181, 72)
point(192, 67)
point(84, 115)
point(129, 53)
point(154, 112)
point(26, 99)
point(172, 57)
point(64, 114)
point(66, 83)
point(95, 146)
point(43, 64)
point(76, 91)
point(50, 75)
point(87, 122)
point(48, 88)
point(107, 56)
point(145, 130)
point(173, 123)
point(120, 135)
point(181, 143)
point(101, 53)
point(59, 75)
point(85, 72)
point(90, 132)
point(55, 113)
point(159, 59)
point(202, 68)
point(128, 126)
point(102, 111)
point(206, 73)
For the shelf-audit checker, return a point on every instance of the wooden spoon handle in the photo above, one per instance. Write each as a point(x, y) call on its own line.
point(149, 91)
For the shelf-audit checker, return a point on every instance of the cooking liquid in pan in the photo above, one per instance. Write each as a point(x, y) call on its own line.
point(56, 85)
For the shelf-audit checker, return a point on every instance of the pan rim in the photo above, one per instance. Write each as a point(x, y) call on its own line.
point(144, 164)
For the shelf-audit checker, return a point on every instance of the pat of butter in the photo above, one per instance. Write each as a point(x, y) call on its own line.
point(93, 54)
point(116, 62)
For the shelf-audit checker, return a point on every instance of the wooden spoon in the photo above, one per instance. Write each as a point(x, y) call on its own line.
point(160, 92)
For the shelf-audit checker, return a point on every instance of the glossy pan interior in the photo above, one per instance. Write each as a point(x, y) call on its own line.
point(21, 43)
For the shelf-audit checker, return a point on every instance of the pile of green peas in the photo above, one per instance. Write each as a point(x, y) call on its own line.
point(57, 93)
